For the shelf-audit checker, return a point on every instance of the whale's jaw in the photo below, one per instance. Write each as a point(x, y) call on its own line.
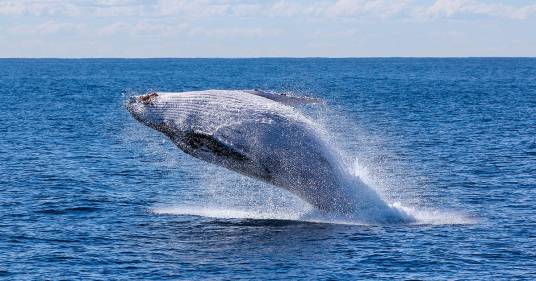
point(135, 109)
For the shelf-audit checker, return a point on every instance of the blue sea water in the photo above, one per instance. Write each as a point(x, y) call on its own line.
point(86, 192)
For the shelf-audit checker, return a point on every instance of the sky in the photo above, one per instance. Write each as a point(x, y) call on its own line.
point(267, 28)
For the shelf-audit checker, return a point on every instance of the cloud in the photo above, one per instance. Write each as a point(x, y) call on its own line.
point(275, 8)
point(192, 8)
point(235, 32)
point(450, 8)
point(247, 9)
point(113, 29)
point(142, 29)
point(342, 9)
point(53, 27)
point(150, 28)
point(294, 8)
point(48, 28)
point(38, 8)
point(378, 8)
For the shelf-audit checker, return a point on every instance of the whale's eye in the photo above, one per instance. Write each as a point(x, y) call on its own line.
point(148, 98)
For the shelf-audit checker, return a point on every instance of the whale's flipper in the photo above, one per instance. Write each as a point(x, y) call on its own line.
point(284, 99)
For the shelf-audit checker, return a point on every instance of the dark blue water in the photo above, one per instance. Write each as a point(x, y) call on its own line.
point(88, 193)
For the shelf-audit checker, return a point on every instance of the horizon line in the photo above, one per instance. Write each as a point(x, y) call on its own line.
point(278, 57)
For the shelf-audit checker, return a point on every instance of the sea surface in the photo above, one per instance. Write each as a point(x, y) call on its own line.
point(86, 192)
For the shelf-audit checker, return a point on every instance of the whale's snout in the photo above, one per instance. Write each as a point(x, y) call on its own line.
point(137, 104)
point(146, 109)
point(146, 99)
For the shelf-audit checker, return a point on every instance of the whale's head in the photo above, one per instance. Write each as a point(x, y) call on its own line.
point(190, 121)
point(149, 109)
point(203, 127)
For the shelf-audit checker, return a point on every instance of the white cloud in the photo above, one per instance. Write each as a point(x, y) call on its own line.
point(191, 8)
point(325, 24)
point(48, 28)
point(234, 32)
point(113, 29)
point(145, 28)
point(449, 8)
point(291, 9)
point(274, 8)
point(52, 27)
point(248, 9)
point(116, 2)
point(38, 8)
point(379, 8)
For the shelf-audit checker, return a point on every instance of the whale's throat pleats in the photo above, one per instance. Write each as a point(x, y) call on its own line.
point(196, 141)
point(209, 148)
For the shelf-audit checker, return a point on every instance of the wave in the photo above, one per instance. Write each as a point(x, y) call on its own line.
point(422, 217)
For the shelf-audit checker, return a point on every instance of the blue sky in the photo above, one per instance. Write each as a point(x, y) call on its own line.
point(255, 28)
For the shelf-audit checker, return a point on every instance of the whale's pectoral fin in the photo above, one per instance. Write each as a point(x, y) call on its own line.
point(197, 141)
point(287, 100)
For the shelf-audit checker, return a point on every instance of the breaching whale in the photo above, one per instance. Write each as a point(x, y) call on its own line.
point(260, 135)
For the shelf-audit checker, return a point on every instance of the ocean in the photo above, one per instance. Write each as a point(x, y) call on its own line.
point(86, 192)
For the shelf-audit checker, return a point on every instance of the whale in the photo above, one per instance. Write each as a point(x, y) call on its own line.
point(262, 135)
